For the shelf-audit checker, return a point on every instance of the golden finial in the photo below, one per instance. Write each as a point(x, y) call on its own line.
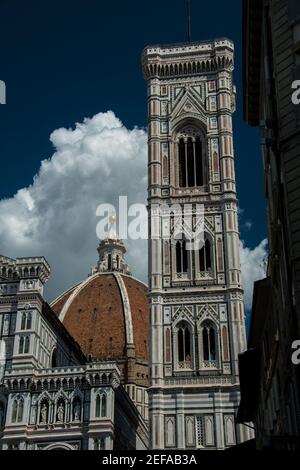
point(112, 219)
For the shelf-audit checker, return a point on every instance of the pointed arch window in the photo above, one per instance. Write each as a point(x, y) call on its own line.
point(102, 444)
point(109, 263)
point(101, 406)
point(182, 164)
point(190, 160)
point(23, 321)
point(21, 344)
point(190, 163)
point(205, 257)
point(14, 411)
point(199, 162)
point(98, 406)
point(181, 257)
point(184, 346)
point(99, 444)
point(17, 410)
point(26, 320)
point(209, 344)
point(24, 344)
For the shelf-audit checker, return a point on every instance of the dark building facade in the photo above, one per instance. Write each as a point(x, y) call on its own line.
point(270, 382)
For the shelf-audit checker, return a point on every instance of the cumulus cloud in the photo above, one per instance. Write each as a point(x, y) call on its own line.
point(94, 163)
point(253, 268)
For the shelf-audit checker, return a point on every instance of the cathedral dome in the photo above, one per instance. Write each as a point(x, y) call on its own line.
point(107, 315)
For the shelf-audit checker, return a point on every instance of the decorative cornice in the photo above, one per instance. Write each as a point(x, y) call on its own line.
point(187, 59)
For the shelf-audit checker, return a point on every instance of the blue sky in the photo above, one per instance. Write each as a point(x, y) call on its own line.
point(66, 60)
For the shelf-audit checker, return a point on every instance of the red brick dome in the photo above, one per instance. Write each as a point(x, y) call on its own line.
point(107, 315)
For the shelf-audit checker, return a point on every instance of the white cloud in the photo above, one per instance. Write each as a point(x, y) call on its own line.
point(253, 268)
point(248, 225)
point(56, 216)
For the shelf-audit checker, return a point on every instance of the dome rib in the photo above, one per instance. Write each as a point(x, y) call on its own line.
point(107, 314)
point(127, 310)
point(73, 295)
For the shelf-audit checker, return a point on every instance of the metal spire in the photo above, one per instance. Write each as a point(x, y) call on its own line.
point(189, 12)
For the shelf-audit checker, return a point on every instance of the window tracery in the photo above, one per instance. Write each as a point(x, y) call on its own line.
point(191, 158)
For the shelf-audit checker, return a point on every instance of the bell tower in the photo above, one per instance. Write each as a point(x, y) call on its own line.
point(196, 310)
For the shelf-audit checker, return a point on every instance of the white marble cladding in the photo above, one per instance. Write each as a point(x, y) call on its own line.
point(196, 420)
point(66, 407)
point(65, 371)
point(31, 267)
point(187, 59)
point(196, 311)
point(194, 47)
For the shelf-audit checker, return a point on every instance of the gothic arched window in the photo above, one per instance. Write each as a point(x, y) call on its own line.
point(99, 444)
point(17, 410)
point(98, 406)
point(209, 343)
point(28, 320)
point(205, 257)
point(21, 345)
point(184, 346)
point(23, 321)
point(102, 444)
point(26, 345)
point(181, 257)
point(109, 263)
point(190, 159)
point(14, 411)
point(182, 164)
point(101, 406)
